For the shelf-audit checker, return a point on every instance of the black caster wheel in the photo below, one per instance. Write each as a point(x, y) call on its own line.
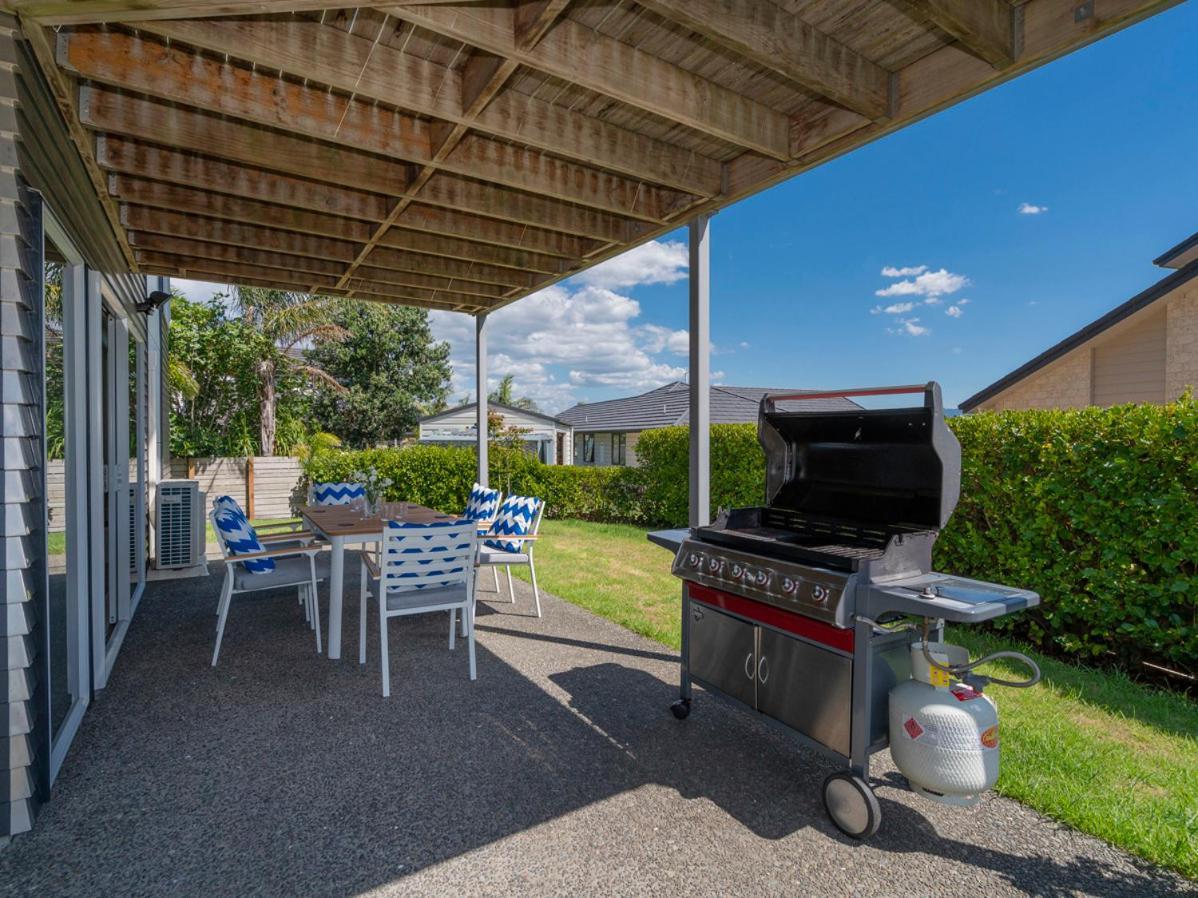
point(681, 708)
point(852, 805)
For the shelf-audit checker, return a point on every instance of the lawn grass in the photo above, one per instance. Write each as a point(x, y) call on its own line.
point(1090, 748)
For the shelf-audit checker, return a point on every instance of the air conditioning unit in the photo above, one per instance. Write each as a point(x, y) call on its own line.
point(180, 517)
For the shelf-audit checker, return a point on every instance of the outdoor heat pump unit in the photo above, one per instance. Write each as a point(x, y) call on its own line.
point(180, 524)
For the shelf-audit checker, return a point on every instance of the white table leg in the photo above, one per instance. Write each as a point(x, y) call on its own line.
point(336, 581)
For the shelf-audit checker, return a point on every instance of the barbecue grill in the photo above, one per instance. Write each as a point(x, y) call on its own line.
point(804, 608)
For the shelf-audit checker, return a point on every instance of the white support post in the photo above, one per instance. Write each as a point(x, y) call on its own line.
point(480, 373)
point(700, 371)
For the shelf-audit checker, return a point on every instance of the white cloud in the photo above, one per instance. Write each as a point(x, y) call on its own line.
point(654, 262)
point(743, 344)
point(929, 284)
point(911, 328)
point(907, 272)
point(1031, 209)
point(954, 311)
point(591, 334)
point(897, 308)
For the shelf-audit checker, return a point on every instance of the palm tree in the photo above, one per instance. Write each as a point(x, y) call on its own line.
point(502, 395)
point(284, 320)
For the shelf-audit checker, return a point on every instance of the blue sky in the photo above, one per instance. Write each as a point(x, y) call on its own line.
point(1104, 142)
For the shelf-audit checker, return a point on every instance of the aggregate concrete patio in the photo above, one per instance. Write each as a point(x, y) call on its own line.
point(560, 771)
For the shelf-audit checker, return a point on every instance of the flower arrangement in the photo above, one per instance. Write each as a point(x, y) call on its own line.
point(373, 485)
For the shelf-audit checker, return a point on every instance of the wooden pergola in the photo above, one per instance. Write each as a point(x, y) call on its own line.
point(460, 155)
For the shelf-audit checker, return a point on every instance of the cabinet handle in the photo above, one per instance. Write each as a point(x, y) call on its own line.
point(749, 665)
point(763, 670)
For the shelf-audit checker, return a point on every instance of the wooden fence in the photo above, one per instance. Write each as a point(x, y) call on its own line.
point(265, 487)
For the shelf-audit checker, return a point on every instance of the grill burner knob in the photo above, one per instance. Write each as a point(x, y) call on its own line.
point(819, 593)
point(694, 560)
point(789, 585)
point(737, 571)
point(714, 564)
point(762, 578)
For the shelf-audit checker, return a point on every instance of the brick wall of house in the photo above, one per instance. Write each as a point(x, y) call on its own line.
point(1181, 341)
point(1063, 384)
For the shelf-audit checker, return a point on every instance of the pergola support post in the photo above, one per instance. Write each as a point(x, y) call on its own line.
point(700, 371)
point(480, 374)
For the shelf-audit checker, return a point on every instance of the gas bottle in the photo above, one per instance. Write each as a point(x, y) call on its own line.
point(943, 733)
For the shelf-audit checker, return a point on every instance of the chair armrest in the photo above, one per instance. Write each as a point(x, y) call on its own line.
point(372, 566)
point(512, 538)
point(280, 552)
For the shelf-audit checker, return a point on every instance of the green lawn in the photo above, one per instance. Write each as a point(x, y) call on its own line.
point(1091, 749)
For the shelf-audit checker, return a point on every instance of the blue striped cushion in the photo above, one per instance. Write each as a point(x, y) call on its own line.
point(242, 539)
point(407, 547)
point(482, 504)
point(227, 503)
point(515, 518)
point(337, 493)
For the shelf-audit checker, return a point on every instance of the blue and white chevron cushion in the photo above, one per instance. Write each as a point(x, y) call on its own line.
point(482, 504)
point(227, 503)
point(242, 539)
point(515, 518)
point(410, 552)
point(337, 493)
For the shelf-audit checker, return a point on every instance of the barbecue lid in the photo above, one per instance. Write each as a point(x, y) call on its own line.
point(896, 467)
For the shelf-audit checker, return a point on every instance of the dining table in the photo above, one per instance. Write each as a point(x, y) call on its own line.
point(353, 525)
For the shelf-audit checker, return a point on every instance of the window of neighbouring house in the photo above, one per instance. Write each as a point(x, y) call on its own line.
point(588, 449)
point(619, 443)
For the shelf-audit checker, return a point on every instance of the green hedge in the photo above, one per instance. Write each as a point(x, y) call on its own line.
point(1096, 509)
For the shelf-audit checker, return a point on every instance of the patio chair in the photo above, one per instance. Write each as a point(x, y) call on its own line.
point(421, 568)
point(335, 493)
point(511, 540)
point(291, 531)
point(481, 507)
point(251, 567)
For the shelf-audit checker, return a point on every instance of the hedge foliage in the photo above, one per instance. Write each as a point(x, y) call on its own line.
point(1095, 509)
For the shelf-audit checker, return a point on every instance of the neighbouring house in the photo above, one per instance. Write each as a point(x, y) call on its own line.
point(551, 439)
point(606, 433)
point(1145, 350)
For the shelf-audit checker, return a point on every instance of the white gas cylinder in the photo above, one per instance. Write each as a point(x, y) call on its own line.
point(943, 734)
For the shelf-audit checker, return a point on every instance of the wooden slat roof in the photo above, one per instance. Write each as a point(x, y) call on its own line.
point(460, 155)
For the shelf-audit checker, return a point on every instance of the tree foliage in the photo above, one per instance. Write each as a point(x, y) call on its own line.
point(388, 369)
point(503, 395)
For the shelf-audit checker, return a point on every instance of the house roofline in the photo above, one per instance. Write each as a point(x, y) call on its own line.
point(1174, 252)
point(496, 405)
point(1141, 300)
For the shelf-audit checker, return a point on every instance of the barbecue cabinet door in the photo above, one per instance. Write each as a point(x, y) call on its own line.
point(721, 652)
point(806, 687)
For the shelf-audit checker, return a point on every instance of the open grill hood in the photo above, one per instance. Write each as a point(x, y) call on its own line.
point(894, 469)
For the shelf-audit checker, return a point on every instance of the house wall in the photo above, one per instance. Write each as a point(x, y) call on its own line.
point(1150, 357)
point(603, 448)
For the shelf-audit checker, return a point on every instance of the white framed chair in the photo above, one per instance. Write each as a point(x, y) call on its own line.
point(512, 539)
point(481, 507)
point(252, 567)
point(421, 568)
point(335, 493)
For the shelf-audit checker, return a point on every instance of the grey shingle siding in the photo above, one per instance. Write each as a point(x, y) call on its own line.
point(670, 405)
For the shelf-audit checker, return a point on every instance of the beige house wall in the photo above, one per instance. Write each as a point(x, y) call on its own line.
point(1068, 382)
point(1181, 341)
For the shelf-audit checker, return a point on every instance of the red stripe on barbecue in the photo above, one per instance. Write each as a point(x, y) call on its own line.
point(798, 624)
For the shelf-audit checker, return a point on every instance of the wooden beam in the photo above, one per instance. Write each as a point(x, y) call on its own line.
point(141, 221)
point(158, 195)
point(989, 29)
point(146, 242)
point(585, 57)
point(179, 75)
point(472, 252)
point(81, 12)
point(103, 109)
point(763, 32)
point(365, 68)
point(534, 18)
point(119, 154)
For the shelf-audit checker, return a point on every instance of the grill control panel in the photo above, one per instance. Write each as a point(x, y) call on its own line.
point(805, 590)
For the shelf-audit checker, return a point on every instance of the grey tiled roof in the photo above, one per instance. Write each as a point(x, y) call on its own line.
point(671, 405)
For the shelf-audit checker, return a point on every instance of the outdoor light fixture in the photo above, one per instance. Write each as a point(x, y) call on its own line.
point(152, 302)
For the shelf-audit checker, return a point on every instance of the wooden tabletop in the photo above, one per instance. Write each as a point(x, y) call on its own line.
point(344, 520)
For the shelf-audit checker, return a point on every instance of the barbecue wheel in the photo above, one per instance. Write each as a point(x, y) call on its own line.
point(681, 708)
point(852, 805)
